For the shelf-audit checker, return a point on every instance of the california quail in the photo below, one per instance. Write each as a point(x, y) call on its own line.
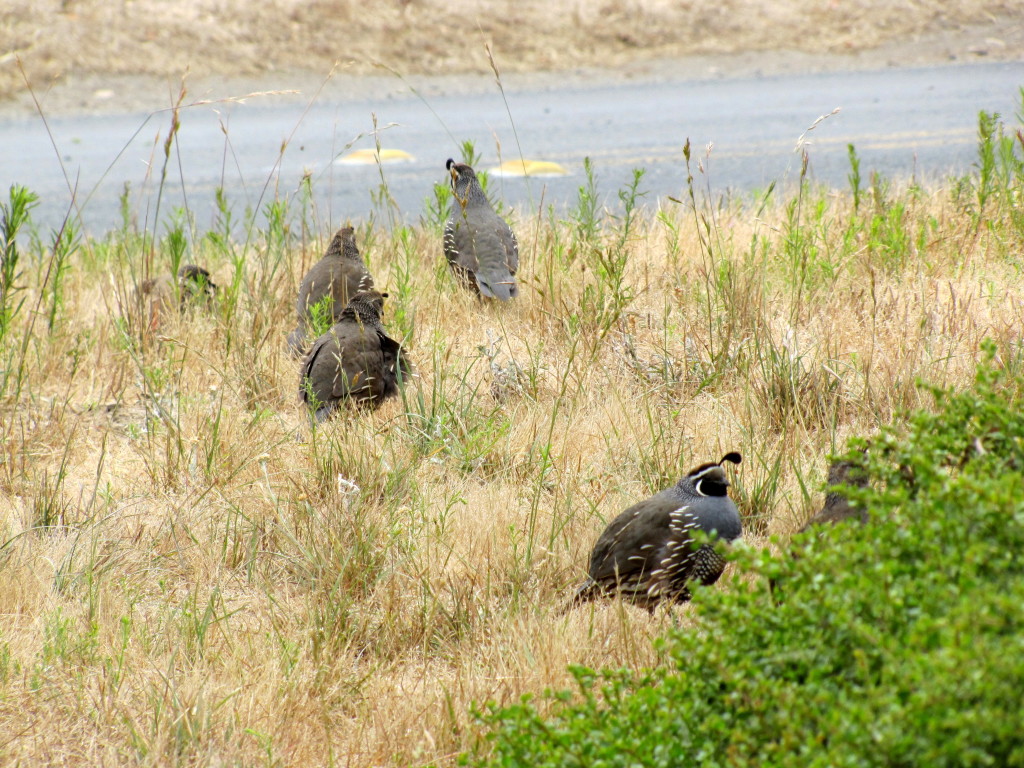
point(480, 246)
point(157, 294)
point(837, 505)
point(195, 286)
point(835, 509)
point(340, 274)
point(647, 554)
point(355, 360)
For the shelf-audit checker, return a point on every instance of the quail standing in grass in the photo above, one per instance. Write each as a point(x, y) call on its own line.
point(355, 361)
point(193, 288)
point(338, 276)
point(648, 554)
point(480, 246)
point(837, 506)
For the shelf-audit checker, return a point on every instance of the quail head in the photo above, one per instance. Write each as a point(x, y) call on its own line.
point(481, 248)
point(648, 555)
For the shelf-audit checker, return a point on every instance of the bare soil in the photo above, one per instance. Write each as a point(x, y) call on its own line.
point(96, 55)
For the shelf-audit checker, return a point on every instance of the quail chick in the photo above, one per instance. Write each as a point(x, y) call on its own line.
point(647, 554)
point(481, 248)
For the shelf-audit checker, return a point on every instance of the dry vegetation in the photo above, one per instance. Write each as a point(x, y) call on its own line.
point(190, 575)
point(56, 38)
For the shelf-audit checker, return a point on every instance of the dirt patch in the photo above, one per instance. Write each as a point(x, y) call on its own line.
point(88, 44)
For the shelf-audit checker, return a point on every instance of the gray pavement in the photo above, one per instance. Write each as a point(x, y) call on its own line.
point(903, 122)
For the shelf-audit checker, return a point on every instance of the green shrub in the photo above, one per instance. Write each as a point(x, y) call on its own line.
point(321, 316)
point(897, 643)
point(14, 215)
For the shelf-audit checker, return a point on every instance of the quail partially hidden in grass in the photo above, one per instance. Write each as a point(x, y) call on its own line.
point(192, 288)
point(339, 275)
point(355, 361)
point(648, 555)
point(837, 506)
point(480, 246)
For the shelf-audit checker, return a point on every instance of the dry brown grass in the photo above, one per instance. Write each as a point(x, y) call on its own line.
point(56, 38)
point(190, 576)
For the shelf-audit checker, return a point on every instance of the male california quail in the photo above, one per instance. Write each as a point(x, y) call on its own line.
point(837, 505)
point(647, 554)
point(340, 274)
point(355, 360)
point(157, 294)
point(480, 246)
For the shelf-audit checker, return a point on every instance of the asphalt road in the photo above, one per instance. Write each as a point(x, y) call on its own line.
point(903, 122)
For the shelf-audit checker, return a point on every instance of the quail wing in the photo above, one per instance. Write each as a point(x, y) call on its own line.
point(642, 552)
point(481, 248)
point(346, 362)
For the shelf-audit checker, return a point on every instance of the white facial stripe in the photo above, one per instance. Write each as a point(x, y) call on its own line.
point(706, 470)
point(696, 487)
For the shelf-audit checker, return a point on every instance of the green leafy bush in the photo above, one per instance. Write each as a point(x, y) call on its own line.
point(321, 316)
point(897, 643)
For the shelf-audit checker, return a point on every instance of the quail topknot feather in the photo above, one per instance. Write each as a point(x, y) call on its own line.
point(355, 361)
point(340, 274)
point(648, 555)
point(480, 246)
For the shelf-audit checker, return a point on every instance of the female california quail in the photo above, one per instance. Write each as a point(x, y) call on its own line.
point(835, 509)
point(647, 554)
point(480, 246)
point(193, 288)
point(354, 361)
point(837, 505)
point(195, 285)
point(340, 274)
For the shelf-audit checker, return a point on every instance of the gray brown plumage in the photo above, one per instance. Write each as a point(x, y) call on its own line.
point(355, 361)
point(339, 275)
point(647, 554)
point(192, 288)
point(837, 506)
point(479, 245)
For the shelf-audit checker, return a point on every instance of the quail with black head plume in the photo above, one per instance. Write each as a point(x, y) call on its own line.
point(648, 555)
point(480, 246)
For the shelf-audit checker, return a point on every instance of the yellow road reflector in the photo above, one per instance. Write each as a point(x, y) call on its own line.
point(530, 168)
point(370, 157)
